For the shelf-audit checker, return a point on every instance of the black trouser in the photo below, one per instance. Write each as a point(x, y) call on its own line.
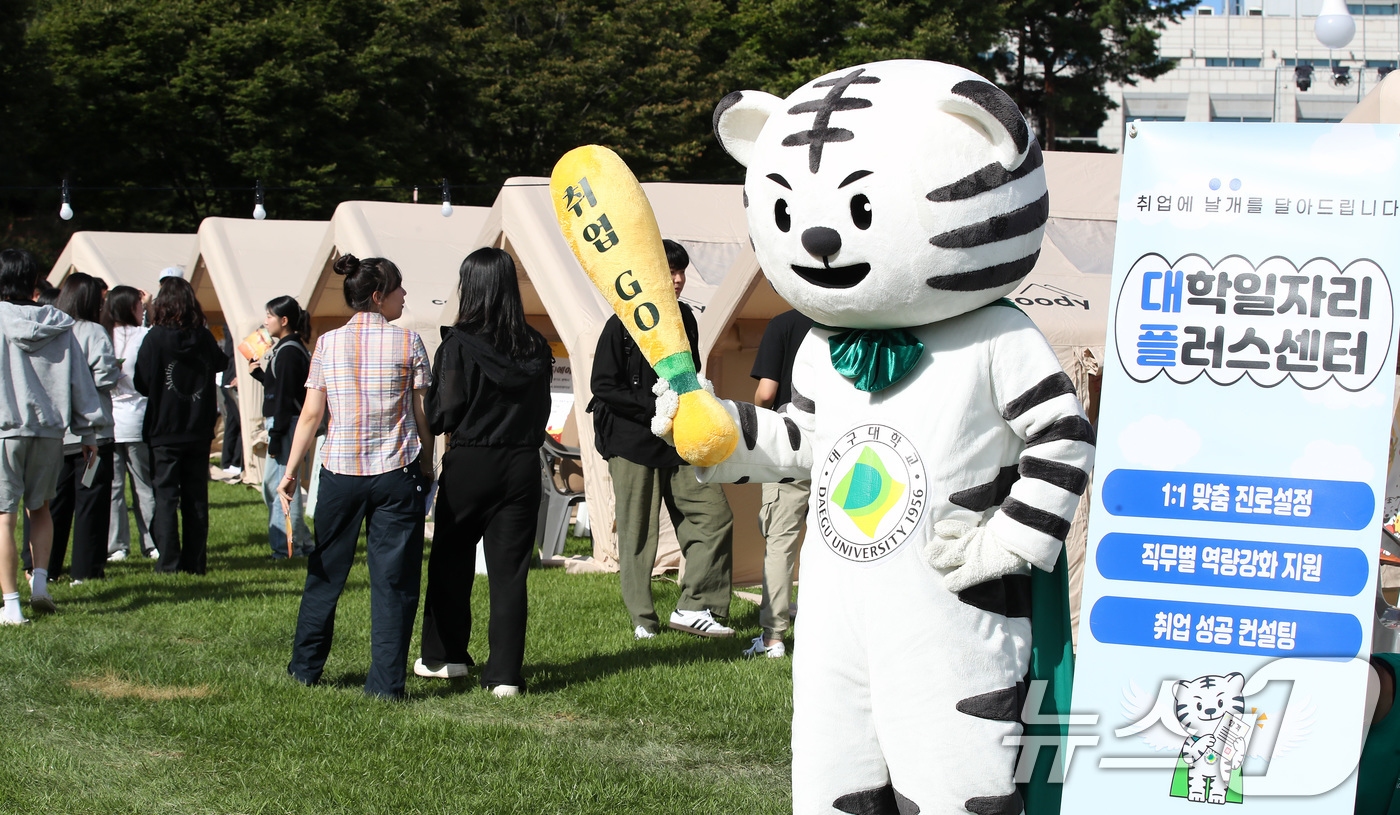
point(495, 493)
point(180, 475)
point(84, 511)
point(391, 505)
point(231, 453)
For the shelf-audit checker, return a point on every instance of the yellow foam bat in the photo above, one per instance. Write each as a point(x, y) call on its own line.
point(609, 225)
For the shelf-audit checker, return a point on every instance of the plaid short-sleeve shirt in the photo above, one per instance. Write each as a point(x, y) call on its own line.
point(369, 370)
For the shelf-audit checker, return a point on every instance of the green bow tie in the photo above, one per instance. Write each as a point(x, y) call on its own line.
point(872, 358)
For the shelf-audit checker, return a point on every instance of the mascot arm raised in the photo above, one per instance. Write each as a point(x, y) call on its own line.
point(774, 445)
point(1037, 400)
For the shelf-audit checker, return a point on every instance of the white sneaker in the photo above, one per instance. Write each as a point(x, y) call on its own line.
point(441, 670)
point(699, 622)
point(641, 633)
point(759, 649)
point(76, 582)
point(116, 556)
point(7, 621)
point(505, 691)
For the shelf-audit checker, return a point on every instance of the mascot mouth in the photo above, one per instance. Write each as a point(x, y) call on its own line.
point(833, 277)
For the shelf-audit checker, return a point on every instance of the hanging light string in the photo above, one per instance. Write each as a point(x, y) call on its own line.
point(259, 190)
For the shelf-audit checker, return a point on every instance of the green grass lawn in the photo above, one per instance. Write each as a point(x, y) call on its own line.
point(149, 694)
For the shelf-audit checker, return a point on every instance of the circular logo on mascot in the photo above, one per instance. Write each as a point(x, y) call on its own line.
point(871, 493)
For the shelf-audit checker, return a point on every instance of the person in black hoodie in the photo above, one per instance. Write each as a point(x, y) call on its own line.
point(175, 372)
point(490, 391)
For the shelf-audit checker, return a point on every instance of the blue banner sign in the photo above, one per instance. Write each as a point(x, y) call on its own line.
point(1260, 565)
point(1244, 499)
point(1252, 630)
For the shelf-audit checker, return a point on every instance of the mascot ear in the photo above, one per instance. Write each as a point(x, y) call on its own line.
point(740, 117)
point(993, 114)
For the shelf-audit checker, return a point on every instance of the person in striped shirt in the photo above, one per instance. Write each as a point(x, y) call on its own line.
point(376, 468)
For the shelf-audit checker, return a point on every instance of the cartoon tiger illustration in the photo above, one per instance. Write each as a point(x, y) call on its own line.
point(896, 203)
point(1202, 706)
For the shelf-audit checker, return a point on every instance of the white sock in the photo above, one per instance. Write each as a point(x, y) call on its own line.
point(11, 611)
point(40, 583)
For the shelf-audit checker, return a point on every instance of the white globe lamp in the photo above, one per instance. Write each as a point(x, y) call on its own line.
point(1334, 27)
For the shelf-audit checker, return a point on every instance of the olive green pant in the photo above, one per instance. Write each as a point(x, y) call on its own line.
point(704, 528)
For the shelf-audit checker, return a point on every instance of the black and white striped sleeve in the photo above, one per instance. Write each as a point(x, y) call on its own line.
point(1037, 399)
point(774, 446)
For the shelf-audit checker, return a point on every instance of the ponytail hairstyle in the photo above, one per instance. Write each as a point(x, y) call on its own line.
point(287, 308)
point(363, 278)
point(175, 305)
point(489, 305)
point(80, 297)
point(120, 308)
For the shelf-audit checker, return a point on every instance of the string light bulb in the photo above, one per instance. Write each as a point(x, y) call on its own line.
point(259, 211)
point(1334, 26)
point(66, 211)
point(446, 200)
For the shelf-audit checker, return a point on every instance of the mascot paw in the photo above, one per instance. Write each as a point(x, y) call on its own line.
point(667, 401)
point(972, 553)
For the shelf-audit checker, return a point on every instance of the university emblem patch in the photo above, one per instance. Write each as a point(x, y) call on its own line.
point(871, 493)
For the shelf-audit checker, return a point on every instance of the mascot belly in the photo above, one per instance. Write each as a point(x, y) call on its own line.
point(896, 203)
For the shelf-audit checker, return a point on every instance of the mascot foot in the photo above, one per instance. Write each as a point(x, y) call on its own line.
point(884, 800)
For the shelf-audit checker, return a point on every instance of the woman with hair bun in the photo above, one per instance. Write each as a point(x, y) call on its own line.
point(490, 392)
point(175, 372)
point(282, 373)
point(376, 467)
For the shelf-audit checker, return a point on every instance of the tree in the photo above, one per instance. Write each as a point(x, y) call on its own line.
point(1058, 56)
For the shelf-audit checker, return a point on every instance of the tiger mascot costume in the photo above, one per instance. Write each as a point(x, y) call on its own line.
point(895, 203)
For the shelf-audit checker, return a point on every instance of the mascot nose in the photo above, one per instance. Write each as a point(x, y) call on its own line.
point(821, 241)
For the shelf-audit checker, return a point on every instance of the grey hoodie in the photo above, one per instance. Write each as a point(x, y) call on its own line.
point(50, 388)
point(102, 361)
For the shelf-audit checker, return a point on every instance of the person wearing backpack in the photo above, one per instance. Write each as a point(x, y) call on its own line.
point(282, 373)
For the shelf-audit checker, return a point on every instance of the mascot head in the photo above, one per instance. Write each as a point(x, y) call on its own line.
point(889, 195)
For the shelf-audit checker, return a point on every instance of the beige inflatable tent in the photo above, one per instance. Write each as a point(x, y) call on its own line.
point(122, 258)
point(1381, 105)
point(237, 266)
point(426, 247)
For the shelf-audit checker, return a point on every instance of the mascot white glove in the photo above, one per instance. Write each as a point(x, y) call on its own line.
point(667, 401)
point(972, 553)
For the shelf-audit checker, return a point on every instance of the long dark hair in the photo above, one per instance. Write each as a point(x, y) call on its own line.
point(489, 304)
point(288, 309)
point(120, 308)
point(80, 297)
point(175, 305)
point(19, 276)
point(363, 278)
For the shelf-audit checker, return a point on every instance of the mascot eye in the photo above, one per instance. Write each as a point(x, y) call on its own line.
point(781, 216)
point(860, 212)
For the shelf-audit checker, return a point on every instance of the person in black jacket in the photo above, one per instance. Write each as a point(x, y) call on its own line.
point(284, 392)
point(175, 372)
point(647, 472)
point(490, 391)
